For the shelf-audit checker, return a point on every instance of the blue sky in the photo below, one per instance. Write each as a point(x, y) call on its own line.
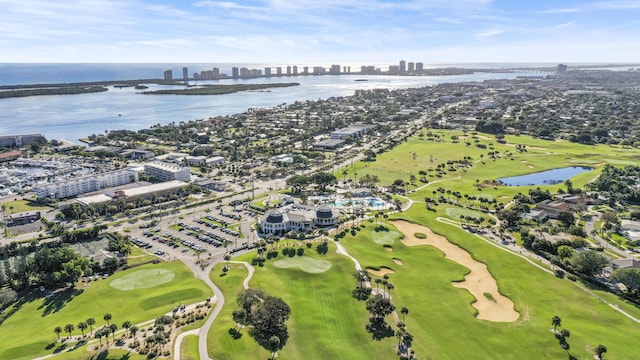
point(320, 31)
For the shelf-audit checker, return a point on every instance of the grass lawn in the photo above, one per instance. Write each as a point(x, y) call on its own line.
point(19, 206)
point(442, 319)
point(82, 353)
point(38, 317)
point(189, 348)
point(326, 322)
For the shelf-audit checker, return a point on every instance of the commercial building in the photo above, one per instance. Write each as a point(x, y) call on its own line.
point(23, 218)
point(353, 131)
point(168, 75)
point(19, 140)
point(166, 172)
point(10, 156)
point(85, 184)
point(131, 194)
point(299, 218)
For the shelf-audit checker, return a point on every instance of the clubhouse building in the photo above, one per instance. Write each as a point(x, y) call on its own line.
point(296, 217)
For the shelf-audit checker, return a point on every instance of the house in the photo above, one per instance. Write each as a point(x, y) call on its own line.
point(629, 225)
point(553, 208)
point(625, 263)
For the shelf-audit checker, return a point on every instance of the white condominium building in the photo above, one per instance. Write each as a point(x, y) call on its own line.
point(85, 184)
point(167, 172)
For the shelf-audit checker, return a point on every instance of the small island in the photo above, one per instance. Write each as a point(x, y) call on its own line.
point(64, 90)
point(219, 89)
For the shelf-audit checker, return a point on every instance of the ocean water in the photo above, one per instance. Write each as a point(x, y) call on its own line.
point(76, 116)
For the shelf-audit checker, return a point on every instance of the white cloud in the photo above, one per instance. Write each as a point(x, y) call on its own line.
point(489, 33)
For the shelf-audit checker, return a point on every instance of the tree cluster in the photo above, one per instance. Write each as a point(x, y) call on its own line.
point(266, 316)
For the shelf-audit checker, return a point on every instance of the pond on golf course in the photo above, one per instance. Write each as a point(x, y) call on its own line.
point(549, 177)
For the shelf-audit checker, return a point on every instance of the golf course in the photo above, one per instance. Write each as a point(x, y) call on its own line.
point(467, 298)
point(137, 295)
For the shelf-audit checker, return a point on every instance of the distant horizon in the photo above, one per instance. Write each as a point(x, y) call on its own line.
point(320, 32)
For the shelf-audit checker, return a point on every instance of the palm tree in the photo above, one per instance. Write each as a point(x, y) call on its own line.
point(107, 317)
point(133, 330)
point(601, 349)
point(69, 328)
point(91, 321)
point(126, 325)
point(227, 258)
point(556, 321)
point(378, 281)
point(57, 330)
point(112, 329)
point(404, 312)
point(98, 335)
point(82, 326)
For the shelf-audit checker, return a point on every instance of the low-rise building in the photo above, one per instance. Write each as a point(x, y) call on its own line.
point(353, 131)
point(10, 156)
point(23, 218)
point(135, 154)
point(215, 160)
point(296, 217)
point(167, 172)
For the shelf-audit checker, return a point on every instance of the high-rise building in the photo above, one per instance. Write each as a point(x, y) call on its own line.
point(168, 75)
point(185, 74)
point(305, 70)
point(288, 70)
point(279, 71)
point(394, 69)
point(410, 67)
point(562, 68)
point(318, 70)
point(267, 71)
point(334, 70)
point(235, 72)
point(295, 70)
point(403, 66)
point(419, 67)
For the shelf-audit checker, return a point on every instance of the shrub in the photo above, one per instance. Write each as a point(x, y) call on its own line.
point(420, 235)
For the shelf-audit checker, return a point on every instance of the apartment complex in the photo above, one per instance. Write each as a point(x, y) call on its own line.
point(18, 140)
point(85, 184)
point(167, 172)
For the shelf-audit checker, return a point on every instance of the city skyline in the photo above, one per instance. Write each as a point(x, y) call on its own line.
point(305, 31)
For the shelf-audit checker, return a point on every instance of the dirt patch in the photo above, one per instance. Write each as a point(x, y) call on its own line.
point(478, 281)
point(388, 247)
point(380, 273)
point(530, 166)
point(398, 261)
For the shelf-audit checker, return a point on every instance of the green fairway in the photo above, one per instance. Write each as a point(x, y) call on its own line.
point(143, 279)
point(455, 212)
point(423, 285)
point(189, 348)
point(39, 316)
point(303, 263)
point(326, 322)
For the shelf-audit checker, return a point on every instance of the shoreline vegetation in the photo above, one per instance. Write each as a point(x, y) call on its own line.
point(64, 90)
point(12, 91)
point(219, 89)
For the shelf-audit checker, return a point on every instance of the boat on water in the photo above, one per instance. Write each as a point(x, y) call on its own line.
point(361, 80)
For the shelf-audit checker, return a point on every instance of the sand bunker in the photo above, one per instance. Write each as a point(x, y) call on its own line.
point(524, 161)
point(388, 247)
point(380, 273)
point(530, 166)
point(478, 281)
point(398, 261)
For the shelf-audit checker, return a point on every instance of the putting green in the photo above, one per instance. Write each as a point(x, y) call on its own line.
point(385, 237)
point(304, 263)
point(455, 212)
point(143, 279)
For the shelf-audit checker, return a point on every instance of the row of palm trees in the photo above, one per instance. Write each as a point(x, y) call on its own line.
point(105, 331)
